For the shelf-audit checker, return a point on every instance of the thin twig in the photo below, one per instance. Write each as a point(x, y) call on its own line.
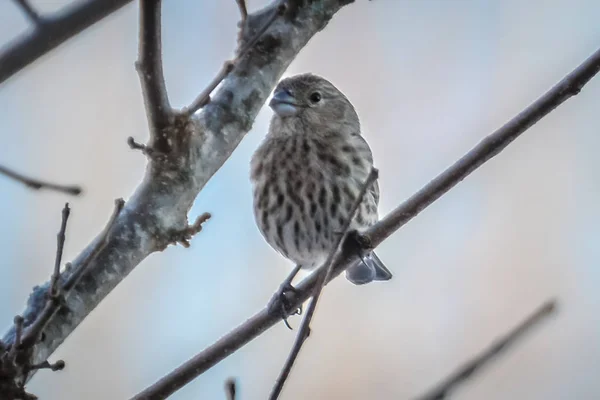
point(243, 10)
point(471, 367)
point(54, 289)
point(67, 22)
point(230, 389)
point(17, 364)
point(185, 235)
point(279, 11)
point(35, 329)
point(102, 241)
point(324, 273)
point(138, 146)
point(492, 145)
point(37, 184)
point(14, 350)
point(204, 97)
point(150, 70)
point(57, 366)
point(30, 12)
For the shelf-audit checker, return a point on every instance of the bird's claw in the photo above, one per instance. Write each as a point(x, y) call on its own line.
point(282, 302)
point(360, 239)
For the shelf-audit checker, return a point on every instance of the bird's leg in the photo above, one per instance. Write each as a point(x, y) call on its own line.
point(282, 300)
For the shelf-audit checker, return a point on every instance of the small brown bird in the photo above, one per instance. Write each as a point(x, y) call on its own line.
point(307, 173)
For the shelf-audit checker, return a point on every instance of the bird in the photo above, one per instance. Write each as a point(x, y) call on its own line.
point(307, 173)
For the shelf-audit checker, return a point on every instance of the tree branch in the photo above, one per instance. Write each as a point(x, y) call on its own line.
point(243, 11)
point(54, 31)
point(490, 146)
point(228, 66)
point(230, 389)
point(471, 367)
point(36, 184)
point(156, 214)
point(16, 361)
point(485, 150)
point(30, 12)
point(304, 330)
point(58, 293)
point(149, 67)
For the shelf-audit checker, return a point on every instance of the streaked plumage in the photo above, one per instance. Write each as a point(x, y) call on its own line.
point(307, 173)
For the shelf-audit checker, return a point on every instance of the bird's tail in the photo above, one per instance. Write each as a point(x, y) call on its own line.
point(369, 269)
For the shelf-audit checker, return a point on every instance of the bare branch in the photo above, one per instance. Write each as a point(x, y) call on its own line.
point(53, 290)
point(204, 97)
point(37, 184)
point(149, 67)
point(57, 366)
point(184, 236)
point(146, 150)
point(30, 12)
point(14, 350)
point(304, 330)
point(54, 31)
point(489, 147)
point(102, 242)
point(58, 292)
point(279, 11)
point(471, 367)
point(493, 144)
point(230, 389)
point(243, 10)
point(16, 363)
point(11, 367)
point(200, 146)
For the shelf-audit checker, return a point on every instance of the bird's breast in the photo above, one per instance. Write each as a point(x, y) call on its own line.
point(303, 192)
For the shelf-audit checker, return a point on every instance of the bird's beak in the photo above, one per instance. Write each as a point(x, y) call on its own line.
point(284, 104)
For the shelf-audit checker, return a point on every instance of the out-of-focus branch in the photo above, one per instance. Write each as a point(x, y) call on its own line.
point(54, 30)
point(493, 144)
point(243, 10)
point(488, 148)
point(470, 368)
point(230, 389)
point(37, 184)
point(304, 329)
point(156, 215)
point(29, 11)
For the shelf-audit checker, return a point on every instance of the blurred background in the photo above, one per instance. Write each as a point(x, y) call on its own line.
point(429, 79)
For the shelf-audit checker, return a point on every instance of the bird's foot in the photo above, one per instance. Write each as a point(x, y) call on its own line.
point(283, 301)
point(358, 242)
point(362, 241)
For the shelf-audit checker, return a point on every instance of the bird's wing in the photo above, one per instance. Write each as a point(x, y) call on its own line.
point(374, 189)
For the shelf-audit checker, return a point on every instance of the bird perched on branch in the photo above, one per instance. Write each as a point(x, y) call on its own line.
point(307, 173)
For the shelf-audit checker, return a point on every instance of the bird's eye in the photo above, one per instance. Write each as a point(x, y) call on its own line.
point(315, 97)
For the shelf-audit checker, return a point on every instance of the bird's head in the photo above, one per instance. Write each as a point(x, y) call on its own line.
point(312, 99)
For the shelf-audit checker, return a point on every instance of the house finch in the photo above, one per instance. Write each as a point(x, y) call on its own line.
point(307, 173)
